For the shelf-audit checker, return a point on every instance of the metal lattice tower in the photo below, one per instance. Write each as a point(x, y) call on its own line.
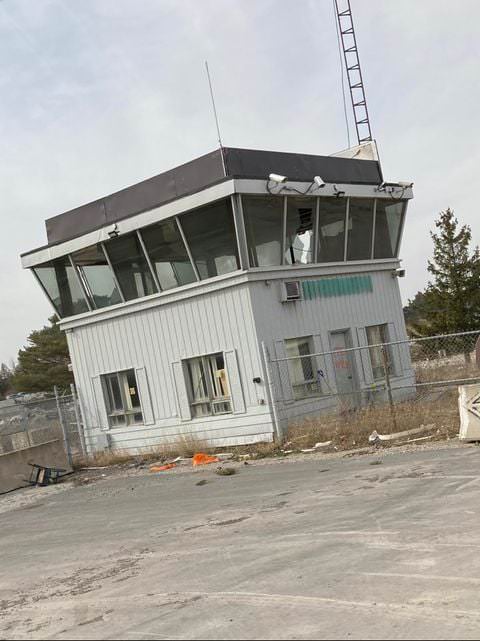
point(354, 73)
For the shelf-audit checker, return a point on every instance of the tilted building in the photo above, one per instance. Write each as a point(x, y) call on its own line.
point(175, 292)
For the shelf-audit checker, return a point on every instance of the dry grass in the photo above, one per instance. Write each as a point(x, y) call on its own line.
point(185, 446)
point(348, 430)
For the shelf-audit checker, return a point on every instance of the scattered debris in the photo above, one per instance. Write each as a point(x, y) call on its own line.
point(376, 438)
point(225, 471)
point(204, 459)
point(202, 482)
point(227, 456)
point(317, 447)
point(375, 462)
point(162, 468)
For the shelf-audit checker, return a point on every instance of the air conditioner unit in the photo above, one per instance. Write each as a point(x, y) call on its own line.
point(291, 291)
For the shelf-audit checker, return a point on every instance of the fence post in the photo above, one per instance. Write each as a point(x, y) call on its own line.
point(389, 385)
point(78, 419)
point(271, 393)
point(64, 429)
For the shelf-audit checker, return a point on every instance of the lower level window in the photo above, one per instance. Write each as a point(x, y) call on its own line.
point(209, 390)
point(123, 400)
point(303, 375)
point(377, 335)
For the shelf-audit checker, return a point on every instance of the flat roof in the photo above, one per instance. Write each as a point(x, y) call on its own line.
point(210, 169)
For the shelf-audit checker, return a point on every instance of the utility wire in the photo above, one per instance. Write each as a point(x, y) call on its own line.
point(342, 74)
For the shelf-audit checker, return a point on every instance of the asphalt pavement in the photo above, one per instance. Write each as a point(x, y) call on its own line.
point(366, 547)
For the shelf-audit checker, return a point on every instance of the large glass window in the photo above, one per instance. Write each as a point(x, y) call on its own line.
point(131, 267)
point(208, 383)
point(210, 234)
point(122, 399)
point(97, 276)
point(360, 229)
point(299, 232)
point(331, 230)
point(263, 217)
point(377, 335)
point(302, 370)
point(388, 223)
point(167, 252)
point(62, 286)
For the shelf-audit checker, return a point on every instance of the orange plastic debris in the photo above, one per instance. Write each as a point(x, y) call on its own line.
point(204, 459)
point(162, 468)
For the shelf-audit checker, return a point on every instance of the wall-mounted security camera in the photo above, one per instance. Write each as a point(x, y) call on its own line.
point(113, 231)
point(398, 273)
point(277, 178)
point(318, 180)
point(338, 193)
point(391, 186)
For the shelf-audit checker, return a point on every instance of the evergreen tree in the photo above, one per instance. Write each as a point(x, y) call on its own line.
point(451, 301)
point(43, 363)
point(5, 380)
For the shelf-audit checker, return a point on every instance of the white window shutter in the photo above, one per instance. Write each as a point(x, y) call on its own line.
point(365, 356)
point(283, 373)
point(235, 382)
point(145, 397)
point(183, 402)
point(99, 397)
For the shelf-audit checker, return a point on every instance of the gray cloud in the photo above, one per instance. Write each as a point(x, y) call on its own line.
point(99, 94)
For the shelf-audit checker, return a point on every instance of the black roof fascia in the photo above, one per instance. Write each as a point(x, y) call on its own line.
point(204, 172)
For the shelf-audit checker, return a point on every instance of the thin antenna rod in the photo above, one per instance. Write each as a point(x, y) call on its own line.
point(213, 104)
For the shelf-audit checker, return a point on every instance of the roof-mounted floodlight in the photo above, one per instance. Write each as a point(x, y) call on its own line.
point(277, 178)
point(318, 180)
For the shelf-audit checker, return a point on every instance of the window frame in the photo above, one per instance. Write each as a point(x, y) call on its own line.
point(85, 283)
point(129, 411)
point(314, 383)
point(376, 348)
point(212, 399)
point(191, 240)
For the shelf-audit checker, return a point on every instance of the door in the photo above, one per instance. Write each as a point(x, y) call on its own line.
point(344, 368)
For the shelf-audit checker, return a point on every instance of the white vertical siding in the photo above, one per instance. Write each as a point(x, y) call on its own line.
point(155, 338)
point(319, 316)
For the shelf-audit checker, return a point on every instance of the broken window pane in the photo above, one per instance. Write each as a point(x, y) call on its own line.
point(210, 234)
point(62, 286)
point(360, 228)
point(168, 254)
point(131, 267)
point(299, 232)
point(97, 276)
point(331, 230)
point(388, 223)
point(263, 217)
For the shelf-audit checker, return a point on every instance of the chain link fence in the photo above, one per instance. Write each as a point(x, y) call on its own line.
point(25, 424)
point(413, 375)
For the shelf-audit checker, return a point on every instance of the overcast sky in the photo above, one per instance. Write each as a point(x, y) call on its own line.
point(98, 94)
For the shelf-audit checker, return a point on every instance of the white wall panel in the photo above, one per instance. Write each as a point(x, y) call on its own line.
point(151, 340)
